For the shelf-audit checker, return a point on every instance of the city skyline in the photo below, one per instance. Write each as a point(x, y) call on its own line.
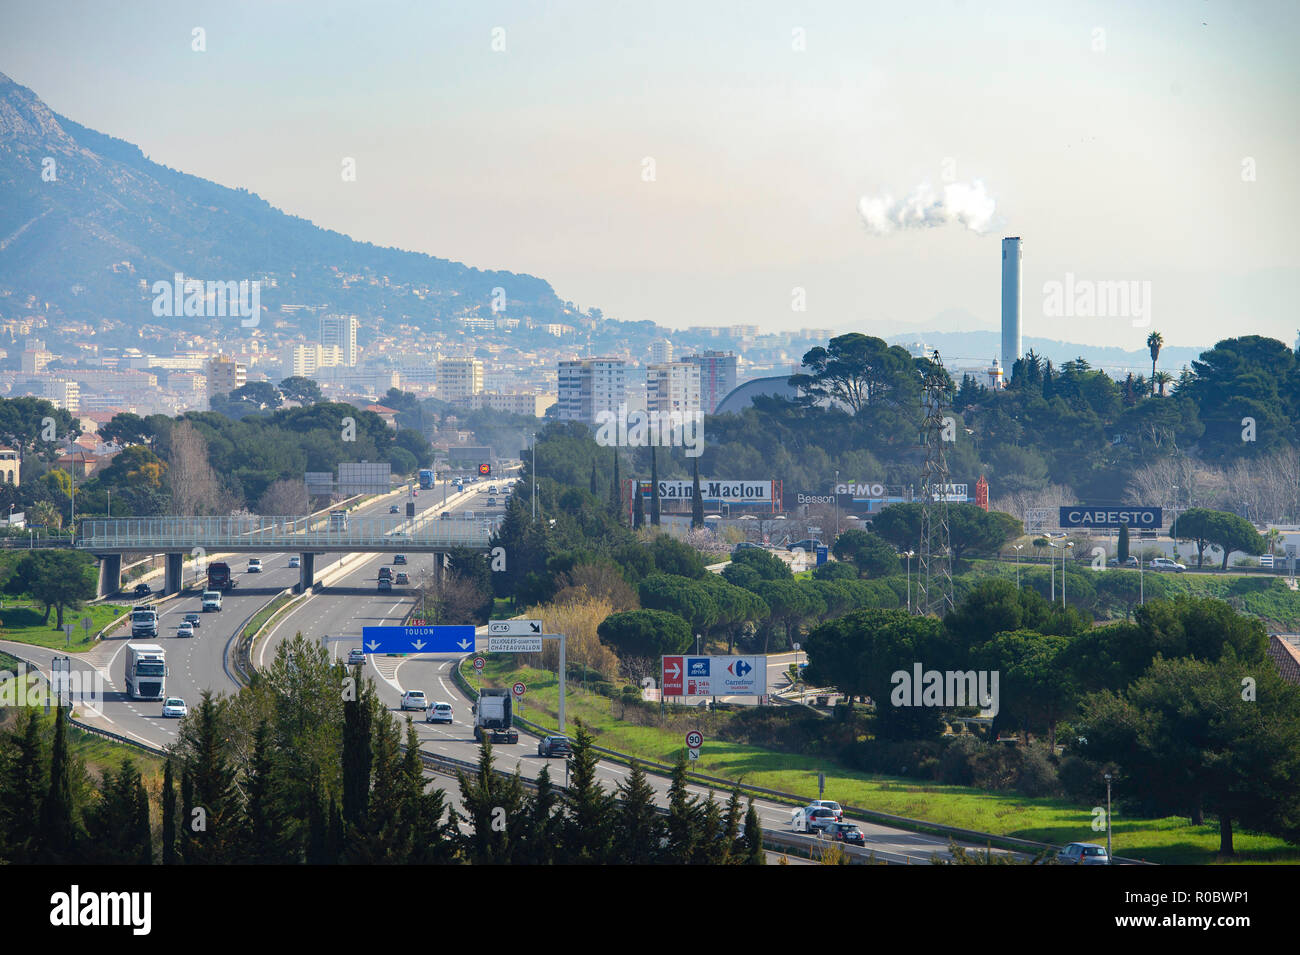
point(1125, 146)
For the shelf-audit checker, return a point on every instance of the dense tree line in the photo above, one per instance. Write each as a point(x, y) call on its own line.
point(307, 766)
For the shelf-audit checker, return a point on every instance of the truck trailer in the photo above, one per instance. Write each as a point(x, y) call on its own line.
point(219, 576)
point(146, 671)
point(494, 717)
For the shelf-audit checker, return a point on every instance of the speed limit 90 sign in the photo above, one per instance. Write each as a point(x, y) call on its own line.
point(694, 739)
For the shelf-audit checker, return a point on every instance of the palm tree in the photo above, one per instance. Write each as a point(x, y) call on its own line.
point(1162, 378)
point(1155, 341)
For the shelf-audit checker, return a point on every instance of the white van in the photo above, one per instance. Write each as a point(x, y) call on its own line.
point(211, 600)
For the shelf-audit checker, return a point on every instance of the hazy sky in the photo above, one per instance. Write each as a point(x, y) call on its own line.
point(1112, 136)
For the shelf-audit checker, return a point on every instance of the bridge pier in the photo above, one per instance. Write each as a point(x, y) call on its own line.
point(110, 573)
point(307, 573)
point(173, 579)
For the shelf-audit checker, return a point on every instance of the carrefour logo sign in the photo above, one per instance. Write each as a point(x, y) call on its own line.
point(1140, 517)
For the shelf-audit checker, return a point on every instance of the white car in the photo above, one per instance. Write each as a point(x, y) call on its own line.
point(438, 713)
point(1164, 563)
point(175, 706)
point(414, 700)
point(185, 630)
point(255, 565)
point(356, 655)
point(295, 561)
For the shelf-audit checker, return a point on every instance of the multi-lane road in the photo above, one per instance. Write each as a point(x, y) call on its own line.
point(340, 611)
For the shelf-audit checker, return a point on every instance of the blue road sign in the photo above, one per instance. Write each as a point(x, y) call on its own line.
point(1083, 515)
point(450, 639)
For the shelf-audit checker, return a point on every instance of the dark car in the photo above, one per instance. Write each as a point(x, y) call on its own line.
point(142, 590)
point(847, 832)
point(554, 746)
point(746, 545)
point(393, 509)
point(399, 558)
point(401, 578)
point(193, 618)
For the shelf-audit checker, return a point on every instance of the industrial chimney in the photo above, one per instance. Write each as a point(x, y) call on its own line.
point(1010, 303)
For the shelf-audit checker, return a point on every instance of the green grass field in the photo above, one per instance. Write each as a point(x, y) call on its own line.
point(23, 621)
point(1168, 841)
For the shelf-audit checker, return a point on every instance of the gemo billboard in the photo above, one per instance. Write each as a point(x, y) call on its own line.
point(861, 490)
point(754, 491)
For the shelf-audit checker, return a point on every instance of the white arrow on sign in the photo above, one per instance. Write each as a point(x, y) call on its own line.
point(418, 644)
point(673, 671)
point(372, 645)
point(464, 644)
point(514, 628)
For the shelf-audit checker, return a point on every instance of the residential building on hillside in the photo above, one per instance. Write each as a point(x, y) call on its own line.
point(588, 386)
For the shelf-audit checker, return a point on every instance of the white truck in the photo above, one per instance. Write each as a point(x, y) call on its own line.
point(494, 717)
point(146, 671)
point(144, 621)
point(338, 520)
point(211, 600)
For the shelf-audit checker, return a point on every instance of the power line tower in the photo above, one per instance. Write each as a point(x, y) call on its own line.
point(934, 570)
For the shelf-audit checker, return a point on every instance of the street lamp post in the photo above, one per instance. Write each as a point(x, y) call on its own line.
point(1108, 861)
point(1018, 548)
point(533, 475)
point(1175, 521)
point(1052, 561)
point(910, 554)
point(836, 492)
point(1064, 549)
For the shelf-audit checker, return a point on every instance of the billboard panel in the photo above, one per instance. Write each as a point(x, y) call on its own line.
point(1141, 518)
point(733, 492)
point(365, 478)
point(685, 675)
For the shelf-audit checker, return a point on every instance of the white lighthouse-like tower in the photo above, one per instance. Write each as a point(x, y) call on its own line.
point(1010, 303)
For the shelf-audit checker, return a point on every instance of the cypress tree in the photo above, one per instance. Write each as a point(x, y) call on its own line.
point(206, 738)
point(357, 756)
point(697, 500)
point(594, 492)
point(753, 838)
point(23, 789)
point(616, 492)
point(187, 815)
point(639, 828)
point(168, 816)
point(654, 486)
point(318, 835)
point(711, 849)
point(638, 506)
point(141, 831)
point(590, 808)
point(731, 828)
point(493, 807)
point(263, 831)
point(1122, 547)
point(683, 816)
point(58, 828)
point(542, 833)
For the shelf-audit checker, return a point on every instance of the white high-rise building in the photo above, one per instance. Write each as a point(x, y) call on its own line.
point(341, 330)
point(459, 378)
point(661, 350)
point(588, 386)
point(717, 377)
point(1011, 344)
point(673, 387)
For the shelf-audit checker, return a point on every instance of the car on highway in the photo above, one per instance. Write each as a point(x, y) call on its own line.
point(414, 700)
point(1083, 853)
point(295, 561)
point(254, 565)
point(444, 515)
point(175, 706)
point(185, 630)
point(402, 578)
point(492, 502)
point(1129, 561)
point(830, 804)
point(847, 832)
point(1164, 563)
point(549, 746)
point(194, 620)
point(142, 590)
point(807, 545)
point(356, 655)
point(746, 545)
point(399, 558)
point(384, 585)
point(385, 573)
point(394, 509)
point(812, 819)
point(438, 713)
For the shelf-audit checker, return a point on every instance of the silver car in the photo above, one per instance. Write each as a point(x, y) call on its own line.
point(1083, 853)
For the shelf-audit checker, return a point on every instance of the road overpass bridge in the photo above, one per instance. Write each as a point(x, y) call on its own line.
point(109, 539)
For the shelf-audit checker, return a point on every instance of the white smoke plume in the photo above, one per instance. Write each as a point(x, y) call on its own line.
point(968, 205)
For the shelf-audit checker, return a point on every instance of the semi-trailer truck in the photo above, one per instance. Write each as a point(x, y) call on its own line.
point(220, 577)
point(144, 621)
point(146, 671)
point(494, 718)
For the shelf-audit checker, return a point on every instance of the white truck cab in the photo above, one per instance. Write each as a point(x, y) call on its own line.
point(211, 600)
